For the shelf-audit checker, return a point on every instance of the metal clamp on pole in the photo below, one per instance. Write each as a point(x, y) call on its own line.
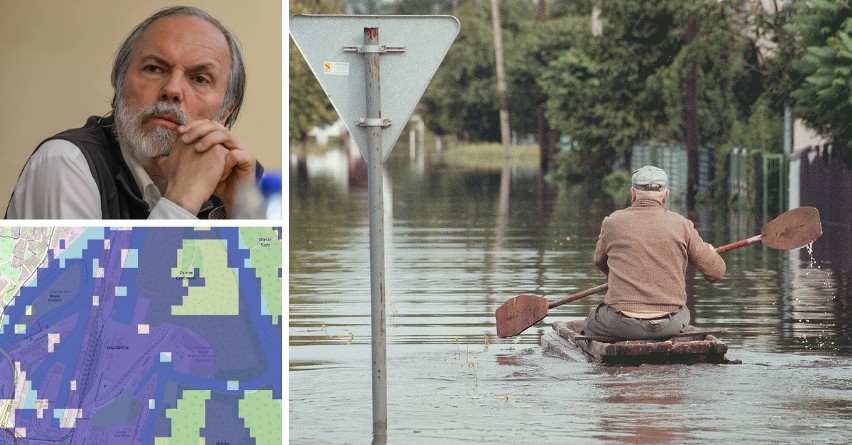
point(426, 40)
point(373, 122)
point(368, 49)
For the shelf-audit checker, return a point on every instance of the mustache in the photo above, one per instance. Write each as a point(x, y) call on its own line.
point(163, 109)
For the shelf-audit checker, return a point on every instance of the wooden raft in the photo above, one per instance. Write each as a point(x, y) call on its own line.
point(694, 345)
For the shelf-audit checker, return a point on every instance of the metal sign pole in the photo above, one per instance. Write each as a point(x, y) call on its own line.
point(373, 124)
point(423, 42)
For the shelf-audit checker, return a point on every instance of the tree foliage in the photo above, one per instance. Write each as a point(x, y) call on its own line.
point(598, 91)
point(421, 7)
point(627, 86)
point(364, 6)
point(731, 74)
point(824, 96)
point(535, 49)
point(462, 100)
point(309, 106)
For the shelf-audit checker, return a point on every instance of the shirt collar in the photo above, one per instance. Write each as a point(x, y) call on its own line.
point(150, 191)
point(647, 202)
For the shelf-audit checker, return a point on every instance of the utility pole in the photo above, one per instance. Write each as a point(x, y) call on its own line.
point(793, 190)
point(505, 131)
point(545, 136)
point(691, 120)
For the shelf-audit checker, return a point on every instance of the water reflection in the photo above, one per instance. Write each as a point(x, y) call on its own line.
point(816, 314)
point(451, 261)
point(456, 252)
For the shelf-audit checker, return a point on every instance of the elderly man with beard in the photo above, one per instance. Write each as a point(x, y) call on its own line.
point(166, 150)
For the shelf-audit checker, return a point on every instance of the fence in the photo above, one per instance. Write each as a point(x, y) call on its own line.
point(773, 175)
point(826, 183)
point(757, 181)
point(674, 160)
point(759, 178)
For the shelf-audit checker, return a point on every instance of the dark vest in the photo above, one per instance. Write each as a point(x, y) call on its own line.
point(120, 196)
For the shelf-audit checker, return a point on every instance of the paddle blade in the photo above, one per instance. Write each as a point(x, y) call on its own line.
point(792, 229)
point(519, 313)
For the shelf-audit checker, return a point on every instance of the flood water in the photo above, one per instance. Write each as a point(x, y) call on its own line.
point(451, 260)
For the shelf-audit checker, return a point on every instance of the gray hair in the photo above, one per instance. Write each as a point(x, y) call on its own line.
point(656, 195)
point(234, 92)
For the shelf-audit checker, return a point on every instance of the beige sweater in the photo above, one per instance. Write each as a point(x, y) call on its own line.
point(644, 250)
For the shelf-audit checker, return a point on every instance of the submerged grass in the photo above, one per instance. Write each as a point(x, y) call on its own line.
point(482, 156)
point(489, 156)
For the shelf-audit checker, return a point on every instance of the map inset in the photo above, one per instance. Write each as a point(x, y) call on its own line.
point(141, 336)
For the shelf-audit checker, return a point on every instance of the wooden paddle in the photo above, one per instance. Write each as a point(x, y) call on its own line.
point(790, 230)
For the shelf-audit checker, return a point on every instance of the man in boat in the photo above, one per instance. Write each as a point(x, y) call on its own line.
point(644, 250)
point(165, 150)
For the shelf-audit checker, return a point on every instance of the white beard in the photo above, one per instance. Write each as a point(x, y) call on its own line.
point(144, 145)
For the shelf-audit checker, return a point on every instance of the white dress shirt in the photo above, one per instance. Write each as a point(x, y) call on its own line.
point(56, 183)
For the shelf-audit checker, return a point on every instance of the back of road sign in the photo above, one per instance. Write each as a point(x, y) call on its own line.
point(415, 46)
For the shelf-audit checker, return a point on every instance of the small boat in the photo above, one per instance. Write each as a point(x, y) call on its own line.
point(693, 345)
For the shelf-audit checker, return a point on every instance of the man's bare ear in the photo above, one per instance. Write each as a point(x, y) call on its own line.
point(226, 116)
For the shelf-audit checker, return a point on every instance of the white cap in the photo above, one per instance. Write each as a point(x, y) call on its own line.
point(650, 178)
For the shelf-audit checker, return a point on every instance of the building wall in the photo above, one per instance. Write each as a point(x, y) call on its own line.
point(804, 137)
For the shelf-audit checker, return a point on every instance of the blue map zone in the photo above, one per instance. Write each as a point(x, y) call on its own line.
point(121, 380)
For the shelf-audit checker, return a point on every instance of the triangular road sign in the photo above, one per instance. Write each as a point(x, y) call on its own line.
point(414, 45)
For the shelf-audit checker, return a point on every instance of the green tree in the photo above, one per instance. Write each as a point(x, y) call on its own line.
point(421, 7)
point(774, 57)
point(576, 8)
point(627, 86)
point(597, 90)
point(309, 106)
point(364, 7)
point(824, 63)
point(535, 49)
point(461, 100)
point(732, 77)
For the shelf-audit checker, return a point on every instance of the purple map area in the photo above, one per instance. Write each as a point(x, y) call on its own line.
point(92, 354)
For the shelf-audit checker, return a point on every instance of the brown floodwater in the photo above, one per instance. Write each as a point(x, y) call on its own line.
point(451, 260)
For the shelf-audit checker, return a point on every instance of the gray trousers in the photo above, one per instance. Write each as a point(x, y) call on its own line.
point(606, 322)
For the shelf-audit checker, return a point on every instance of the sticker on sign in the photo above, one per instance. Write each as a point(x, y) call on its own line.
point(336, 68)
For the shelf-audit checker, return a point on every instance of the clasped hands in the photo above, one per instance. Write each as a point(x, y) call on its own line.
point(207, 159)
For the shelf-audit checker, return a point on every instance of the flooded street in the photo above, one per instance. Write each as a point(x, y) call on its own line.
point(451, 260)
